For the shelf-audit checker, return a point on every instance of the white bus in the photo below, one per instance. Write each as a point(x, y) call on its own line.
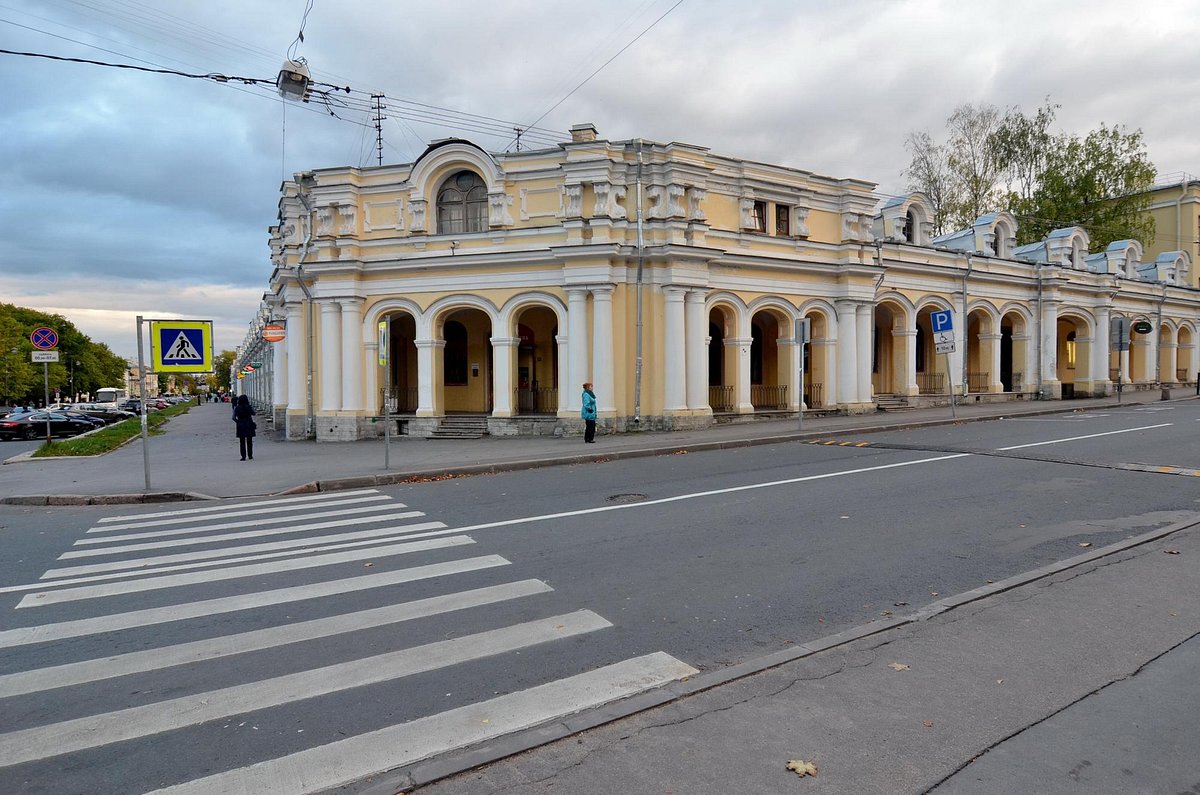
point(111, 394)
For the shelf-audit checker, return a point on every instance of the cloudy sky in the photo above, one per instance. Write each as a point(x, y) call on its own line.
point(126, 193)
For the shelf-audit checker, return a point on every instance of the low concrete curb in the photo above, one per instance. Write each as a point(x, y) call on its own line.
point(105, 499)
point(426, 772)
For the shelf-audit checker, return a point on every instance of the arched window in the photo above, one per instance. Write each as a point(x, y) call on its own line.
point(455, 361)
point(462, 204)
point(910, 227)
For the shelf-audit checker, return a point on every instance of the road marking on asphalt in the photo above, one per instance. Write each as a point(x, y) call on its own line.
point(200, 528)
point(194, 540)
point(56, 739)
point(255, 640)
point(249, 511)
point(1088, 436)
point(232, 506)
point(296, 545)
point(330, 766)
point(23, 636)
point(42, 585)
point(233, 573)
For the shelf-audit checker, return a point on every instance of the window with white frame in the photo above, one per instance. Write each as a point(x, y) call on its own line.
point(462, 204)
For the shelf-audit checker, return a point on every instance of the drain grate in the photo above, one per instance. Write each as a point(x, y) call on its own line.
point(627, 498)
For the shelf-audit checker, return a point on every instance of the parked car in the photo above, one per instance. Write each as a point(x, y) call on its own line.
point(33, 425)
point(104, 411)
point(131, 404)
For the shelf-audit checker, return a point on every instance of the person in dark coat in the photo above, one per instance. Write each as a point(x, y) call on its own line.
point(243, 415)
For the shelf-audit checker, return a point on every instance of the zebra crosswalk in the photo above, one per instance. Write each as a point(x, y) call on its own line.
point(175, 629)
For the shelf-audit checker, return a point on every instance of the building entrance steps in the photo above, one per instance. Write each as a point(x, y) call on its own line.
point(196, 457)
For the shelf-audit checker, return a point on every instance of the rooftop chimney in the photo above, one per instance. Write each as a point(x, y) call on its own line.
point(583, 133)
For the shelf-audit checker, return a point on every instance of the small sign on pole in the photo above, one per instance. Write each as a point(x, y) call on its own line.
point(44, 356)
point(942, 321)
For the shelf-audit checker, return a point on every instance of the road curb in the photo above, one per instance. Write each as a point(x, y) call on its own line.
point(597, 457)
point(428, 771)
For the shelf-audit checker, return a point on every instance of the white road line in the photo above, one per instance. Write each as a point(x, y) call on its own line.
point(211, 649)
point(224, 506)
point(314, 542)
point(234, 573)
point(44, 584)
point(41, 742)
point(23, 636)
point(194, 540)
point(252, 511)
point(199, 528)
point(1088, 436)
point(345, 761)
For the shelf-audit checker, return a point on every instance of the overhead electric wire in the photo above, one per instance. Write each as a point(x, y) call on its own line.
point(606, 63)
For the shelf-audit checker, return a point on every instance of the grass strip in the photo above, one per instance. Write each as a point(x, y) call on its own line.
point(111, 437)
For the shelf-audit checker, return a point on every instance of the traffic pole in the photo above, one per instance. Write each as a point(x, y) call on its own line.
point(142, 406)
point(46, 396)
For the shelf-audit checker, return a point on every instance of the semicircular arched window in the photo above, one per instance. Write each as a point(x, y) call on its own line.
point(462, 204)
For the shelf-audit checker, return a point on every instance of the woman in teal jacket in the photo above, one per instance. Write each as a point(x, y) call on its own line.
point(589, 413)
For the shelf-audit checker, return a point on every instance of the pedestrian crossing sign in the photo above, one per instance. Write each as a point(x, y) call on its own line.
point(181, 346)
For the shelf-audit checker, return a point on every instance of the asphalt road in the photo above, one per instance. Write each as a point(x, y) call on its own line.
point(662, 565)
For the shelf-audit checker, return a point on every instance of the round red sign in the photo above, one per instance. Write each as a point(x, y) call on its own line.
point(273, 332)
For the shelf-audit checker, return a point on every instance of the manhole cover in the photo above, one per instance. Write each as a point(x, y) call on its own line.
point(627, 498)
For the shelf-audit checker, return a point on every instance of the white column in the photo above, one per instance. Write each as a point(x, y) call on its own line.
point(1193, 359)
point(697, 351)
point(1125, 375)
point(353, 354)
point(1101, 344)
point(426, 351)
point(577, 348)
point(1028, 365)
point(602, 350)
point(828, 349)
point(674, 350)
point(742, 400)
point(991, 354)
point(1172, 362)
point(297, 360)
point(908, 347)
point(503, 362)
point(564, 385)
point(790, 357)
point(372, 392)
point(1049, 346)
point(847, 352)
point(331, 356)
point(865, 318)
point(279, 373)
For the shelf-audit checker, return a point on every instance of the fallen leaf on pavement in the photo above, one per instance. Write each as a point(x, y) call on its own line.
point(886, 613)
point(900, 604)
point(999, 681)
point(368, 565)
point(1171, 551)
point(1085, 543)
point(928, 724)
point(802, 768)
point(898, 666)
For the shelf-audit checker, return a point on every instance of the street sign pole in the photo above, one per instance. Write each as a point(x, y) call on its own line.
point(802, 329)
point(950, 388)
point(142, 404)
point(46, 405)
point(942, 323)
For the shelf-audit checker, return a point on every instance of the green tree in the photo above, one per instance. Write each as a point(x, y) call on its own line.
point(219, 380)
point(1100, 182)
point(1014, 162)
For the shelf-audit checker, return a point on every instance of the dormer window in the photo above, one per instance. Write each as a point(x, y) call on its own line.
point(910, 227)
point(759, 217)
point(462, 204)
point(783, 220)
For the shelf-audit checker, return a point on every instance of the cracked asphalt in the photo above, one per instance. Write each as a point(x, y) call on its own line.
point(1078, 682)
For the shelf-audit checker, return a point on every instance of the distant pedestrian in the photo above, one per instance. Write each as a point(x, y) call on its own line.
point(589, 413)
point(243, 415)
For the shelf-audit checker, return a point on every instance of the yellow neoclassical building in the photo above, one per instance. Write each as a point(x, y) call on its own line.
point(474, 291)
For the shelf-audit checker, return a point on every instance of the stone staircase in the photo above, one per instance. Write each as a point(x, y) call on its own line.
point(892, 403)
point(461, 426)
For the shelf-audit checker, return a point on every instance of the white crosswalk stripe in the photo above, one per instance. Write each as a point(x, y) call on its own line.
point(327, 532)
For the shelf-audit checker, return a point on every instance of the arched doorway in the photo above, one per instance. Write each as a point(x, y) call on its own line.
point(1166, 355)
point(819, 360)
point(1141, 369)
point(536, 378)
point(1072, 357)
point(768, 362)
point(1184, 355)
point(978, 354)
point(466, 382)
point(889, 354)
point(1014, 347)
point(931, 368)
point(400, 380)
point(722, 360)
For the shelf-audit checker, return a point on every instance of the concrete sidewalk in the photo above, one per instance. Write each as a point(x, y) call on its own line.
point(1052, 682)
point(197, 456)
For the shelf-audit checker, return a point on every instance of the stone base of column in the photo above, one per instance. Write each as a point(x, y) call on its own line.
point(293, 426)
point(856, 408)
point(423, 426)
point(526, 426)
point(338, 428)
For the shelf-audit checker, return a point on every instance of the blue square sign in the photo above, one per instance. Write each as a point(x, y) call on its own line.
point(942, 320)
